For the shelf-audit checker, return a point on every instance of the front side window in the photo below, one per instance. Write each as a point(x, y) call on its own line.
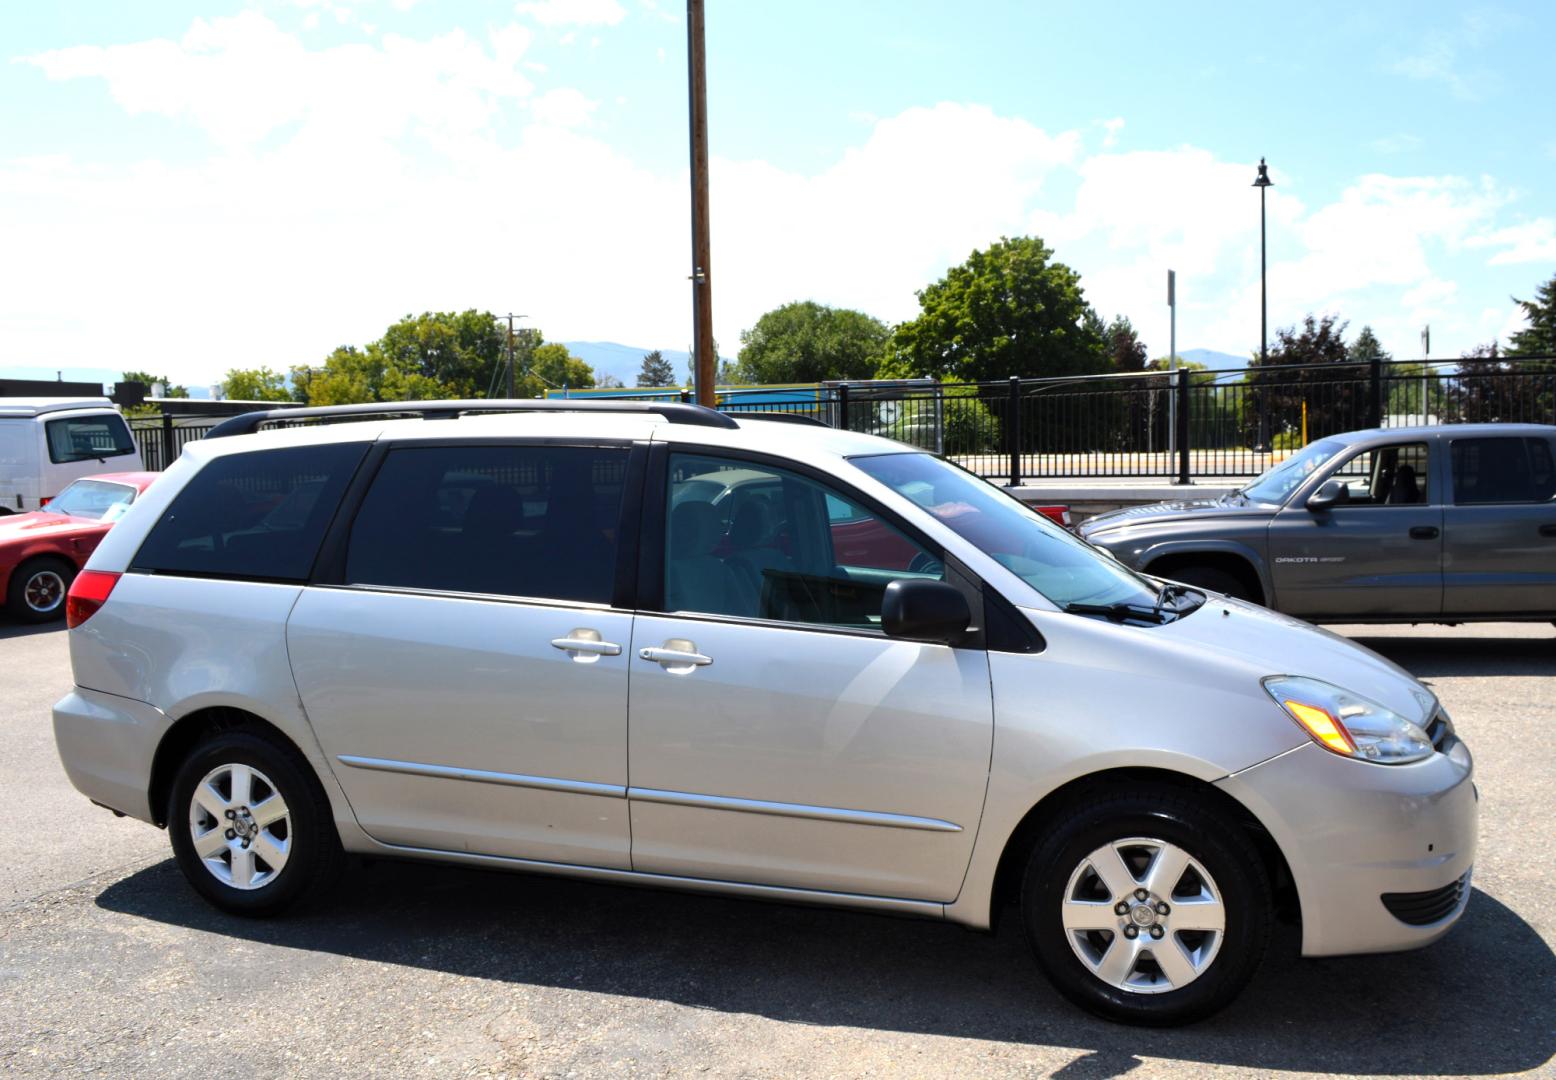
point(259, 515)
point(1061, 567)
point(1502, 470)
point(530, 521)
point(1277, 483)
point(766, 543)
point(1387, 476)
point(96, 500)
point(86, 438)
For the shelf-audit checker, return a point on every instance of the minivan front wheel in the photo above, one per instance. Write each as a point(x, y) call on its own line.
point(1147, 907)
point(250, 827)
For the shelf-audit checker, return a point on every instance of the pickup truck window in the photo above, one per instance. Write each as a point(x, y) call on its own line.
point(1502, 470)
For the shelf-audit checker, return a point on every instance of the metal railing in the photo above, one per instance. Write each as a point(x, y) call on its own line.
point(1152, 424)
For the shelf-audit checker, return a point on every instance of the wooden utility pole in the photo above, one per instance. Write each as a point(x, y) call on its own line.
point(703, 367)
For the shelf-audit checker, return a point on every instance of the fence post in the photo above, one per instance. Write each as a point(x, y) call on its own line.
point(169, 454)
point(1182, 390)
point(842, 406)
point(1375, 374)
point(1013, 430)
point(686, 397)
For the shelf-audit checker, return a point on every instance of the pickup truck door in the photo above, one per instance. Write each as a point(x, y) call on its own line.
point(1500, 530)
point(1377, 555)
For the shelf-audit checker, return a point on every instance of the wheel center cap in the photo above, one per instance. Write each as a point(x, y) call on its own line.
point(243, 823)
point(1142, 915)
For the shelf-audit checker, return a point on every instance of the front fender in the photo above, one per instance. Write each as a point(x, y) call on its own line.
point(1156, 550)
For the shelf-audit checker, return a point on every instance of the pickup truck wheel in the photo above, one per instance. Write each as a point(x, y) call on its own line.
point(1147, 907)
point(38, 588)
point(1212, 578)
point(250, 826)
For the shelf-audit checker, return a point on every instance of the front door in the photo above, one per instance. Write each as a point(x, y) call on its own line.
point(467, 678)
point(1500, 530)
point(1376, 555)
point(777, 736)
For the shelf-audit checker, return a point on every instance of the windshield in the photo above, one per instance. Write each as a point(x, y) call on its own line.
point(1277, 484)
point(94, 499)
point(1064, 569)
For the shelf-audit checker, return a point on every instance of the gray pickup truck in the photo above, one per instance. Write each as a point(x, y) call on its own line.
point(1428, 524)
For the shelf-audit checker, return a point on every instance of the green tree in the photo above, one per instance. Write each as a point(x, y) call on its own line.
point(807, 342)
point(146, 379)
point(1126, 352)
point(441, 354)
point(1009, 310)
point(553, 367)
point(254, 384)
point(1539, 337)
point(1336, 395)
point(656, 370)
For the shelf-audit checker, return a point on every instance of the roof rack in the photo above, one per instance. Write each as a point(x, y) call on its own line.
point(781, 417)
point(674, 412)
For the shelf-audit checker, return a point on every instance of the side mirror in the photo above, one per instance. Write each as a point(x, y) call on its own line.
point(1331, 494)
point(917, 609)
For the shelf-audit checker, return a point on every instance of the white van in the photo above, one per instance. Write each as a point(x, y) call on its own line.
point(45, 443)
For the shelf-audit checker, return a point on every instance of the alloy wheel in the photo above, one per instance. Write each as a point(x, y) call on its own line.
point(44, 591)
point(1143, 915)
point(241, 826)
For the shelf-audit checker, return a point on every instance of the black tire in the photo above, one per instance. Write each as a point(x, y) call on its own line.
point(1176, 817)
point(313, 855)
point(1214, 579)
point(52, 575)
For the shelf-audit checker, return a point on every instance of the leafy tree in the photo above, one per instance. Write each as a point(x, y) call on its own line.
point(1335, 395)
point(254, 384)
point(807, 342)
point(1539, 337)
point(1009, 310)
point(656, 370)
point(441, 354)
point(607, 381)
point(1125, 350)
point(146, 379)
point(553, 367)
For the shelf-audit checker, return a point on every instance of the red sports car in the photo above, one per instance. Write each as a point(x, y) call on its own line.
point(41, 552)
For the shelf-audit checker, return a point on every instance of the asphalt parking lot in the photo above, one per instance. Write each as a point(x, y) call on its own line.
point(109, 965)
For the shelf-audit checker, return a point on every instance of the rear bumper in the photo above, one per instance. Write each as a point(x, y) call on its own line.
point(106, 744)
point(1353, 832)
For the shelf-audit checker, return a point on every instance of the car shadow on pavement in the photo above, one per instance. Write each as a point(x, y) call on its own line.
point(1470, 1004)
point(1472, 657)
point(10, 628)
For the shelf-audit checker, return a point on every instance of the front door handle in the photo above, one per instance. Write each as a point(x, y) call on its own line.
point(1548, 530)
point(585, 645)
point(1424, 532)
point(678, 656)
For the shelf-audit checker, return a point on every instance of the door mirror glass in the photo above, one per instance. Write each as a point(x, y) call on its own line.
point(1333, 493)
point(923, 610)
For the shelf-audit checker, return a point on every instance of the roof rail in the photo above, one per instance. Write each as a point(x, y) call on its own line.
point(781, 417)
point(674, 412)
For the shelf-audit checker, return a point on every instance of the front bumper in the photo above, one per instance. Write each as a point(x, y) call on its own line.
point(1353, 832)
point(106, 744)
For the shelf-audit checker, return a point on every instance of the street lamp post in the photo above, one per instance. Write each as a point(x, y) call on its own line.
point(1261, 182)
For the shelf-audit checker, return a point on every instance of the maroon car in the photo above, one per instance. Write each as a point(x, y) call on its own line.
point(41, 552)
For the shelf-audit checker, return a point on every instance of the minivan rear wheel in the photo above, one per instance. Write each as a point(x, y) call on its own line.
point(250, 826)
point(1147, 907)
point(38, 588)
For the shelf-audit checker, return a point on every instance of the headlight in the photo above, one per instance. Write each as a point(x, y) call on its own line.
point(1347, 723)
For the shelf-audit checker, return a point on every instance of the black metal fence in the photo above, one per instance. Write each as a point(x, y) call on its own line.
point(1152, 425)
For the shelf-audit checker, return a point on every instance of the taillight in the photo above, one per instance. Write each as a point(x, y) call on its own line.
point(45, 501)
point(87, 594)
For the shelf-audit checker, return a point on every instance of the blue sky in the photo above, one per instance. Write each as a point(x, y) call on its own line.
point(188, 187)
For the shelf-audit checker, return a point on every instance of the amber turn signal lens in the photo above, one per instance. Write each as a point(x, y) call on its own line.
point(1323, 727)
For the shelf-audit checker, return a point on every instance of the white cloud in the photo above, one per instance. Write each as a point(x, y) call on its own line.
point(574, 12)
point(1111, 128)
point(352, 184)
point(1398, 143)
point(1532, 241)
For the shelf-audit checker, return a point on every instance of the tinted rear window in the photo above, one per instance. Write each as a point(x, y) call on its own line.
point(532, 521)
point(85, 438)
point(1503, 470)
point(259, 515)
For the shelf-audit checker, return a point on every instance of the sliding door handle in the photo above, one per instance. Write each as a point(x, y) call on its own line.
point(1424, 532)
point(585, 645)
point(678, 656)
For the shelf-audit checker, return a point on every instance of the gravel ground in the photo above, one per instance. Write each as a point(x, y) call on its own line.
point(109, 964)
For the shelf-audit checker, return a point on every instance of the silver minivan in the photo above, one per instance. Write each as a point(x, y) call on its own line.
point(657, 644)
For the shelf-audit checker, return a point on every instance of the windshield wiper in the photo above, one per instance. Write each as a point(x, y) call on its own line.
point(1121, 612)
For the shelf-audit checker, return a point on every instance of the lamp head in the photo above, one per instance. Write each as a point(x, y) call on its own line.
point(1263, 179)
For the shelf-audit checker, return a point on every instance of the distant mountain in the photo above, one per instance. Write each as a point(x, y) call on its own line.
point(1214, 361)
point(106, 376)
point(625, 361)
